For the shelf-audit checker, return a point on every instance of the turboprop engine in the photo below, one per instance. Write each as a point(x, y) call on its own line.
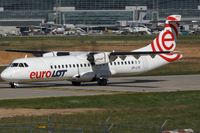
point(98, 58)
point(51, 54)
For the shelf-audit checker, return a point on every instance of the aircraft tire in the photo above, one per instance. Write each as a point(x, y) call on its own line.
point(102, 82)
point(12, 85)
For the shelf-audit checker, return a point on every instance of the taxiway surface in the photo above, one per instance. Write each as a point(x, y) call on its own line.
point(116, 85)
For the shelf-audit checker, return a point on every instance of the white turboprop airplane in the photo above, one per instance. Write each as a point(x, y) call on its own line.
point(80, 67)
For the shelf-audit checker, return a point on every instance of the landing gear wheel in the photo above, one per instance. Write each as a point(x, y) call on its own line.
point(76, 83)
point(102, 82)
point(13, 85)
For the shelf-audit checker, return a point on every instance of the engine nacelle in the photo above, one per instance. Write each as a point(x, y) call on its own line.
point(98, 58)
point(51, 54)
point(101, 58)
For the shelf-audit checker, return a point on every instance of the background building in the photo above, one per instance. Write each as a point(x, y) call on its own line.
point(93, 12)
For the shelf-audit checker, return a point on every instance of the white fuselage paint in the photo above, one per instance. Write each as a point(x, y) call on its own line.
point(78, 68)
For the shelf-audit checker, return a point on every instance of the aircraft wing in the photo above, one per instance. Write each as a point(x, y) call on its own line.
point(139, 53)
point(40, 53)
point(92, 57)
point(36, 53)
point(106, 57)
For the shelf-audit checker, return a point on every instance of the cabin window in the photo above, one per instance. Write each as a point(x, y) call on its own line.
point(135, 62)
point(125, 62)
point(51, 67)
point(129, 62)
point(85, 65)
point(63, 66)
point(118, 63)
point(70, 65)
point(81, 65)
point(132, 62)
point(66, 66)
point(111, 63)
point(122, 63)
point(77, 65)
point(74, 65)
point(114, 63)
point(59, 66)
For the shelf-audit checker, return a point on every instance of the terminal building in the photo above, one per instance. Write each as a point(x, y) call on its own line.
point(93, 12)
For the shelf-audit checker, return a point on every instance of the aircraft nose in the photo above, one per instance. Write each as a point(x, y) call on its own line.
point(5, 75)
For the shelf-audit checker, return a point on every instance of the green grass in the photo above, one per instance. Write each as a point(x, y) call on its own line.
point(60, 42)
point(98, 38)
point(51, 42)
point(138, 100)
point(136, 112)
point(182, 67)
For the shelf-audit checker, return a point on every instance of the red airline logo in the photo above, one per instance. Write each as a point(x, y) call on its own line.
point(47, 74)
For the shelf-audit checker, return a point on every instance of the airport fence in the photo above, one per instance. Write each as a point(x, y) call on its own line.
point(37, 128)
point(50, 126)
point(61, 126)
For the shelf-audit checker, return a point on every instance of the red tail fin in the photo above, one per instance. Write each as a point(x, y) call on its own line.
point(166, 39)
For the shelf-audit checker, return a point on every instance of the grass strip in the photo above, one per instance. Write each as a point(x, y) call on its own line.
point(144, 100)
point(135, 112)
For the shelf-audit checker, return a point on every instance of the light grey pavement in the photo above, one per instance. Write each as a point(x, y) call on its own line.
point(116, 85)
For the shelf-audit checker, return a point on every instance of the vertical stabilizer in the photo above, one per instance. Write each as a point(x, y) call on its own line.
point(166, 39)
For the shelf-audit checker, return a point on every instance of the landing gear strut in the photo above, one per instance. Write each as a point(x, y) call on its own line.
point(102, 82)
point(13, 85)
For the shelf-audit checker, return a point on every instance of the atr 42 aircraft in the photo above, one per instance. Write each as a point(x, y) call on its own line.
point(80, 67)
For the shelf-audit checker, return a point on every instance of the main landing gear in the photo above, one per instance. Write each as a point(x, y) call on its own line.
point(102, 81)
point(13, 85)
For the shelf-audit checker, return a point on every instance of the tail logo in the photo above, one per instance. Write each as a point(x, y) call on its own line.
point(165, 41)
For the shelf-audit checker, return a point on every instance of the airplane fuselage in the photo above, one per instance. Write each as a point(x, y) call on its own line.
point(77, 68)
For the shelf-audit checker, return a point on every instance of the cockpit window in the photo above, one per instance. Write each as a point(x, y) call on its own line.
point(14, 64)
point(26, 65)
point(19, 65)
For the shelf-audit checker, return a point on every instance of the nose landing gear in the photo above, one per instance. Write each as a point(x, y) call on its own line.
point(13, 85)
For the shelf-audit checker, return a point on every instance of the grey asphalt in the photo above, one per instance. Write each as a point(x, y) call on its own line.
point(116, 85)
